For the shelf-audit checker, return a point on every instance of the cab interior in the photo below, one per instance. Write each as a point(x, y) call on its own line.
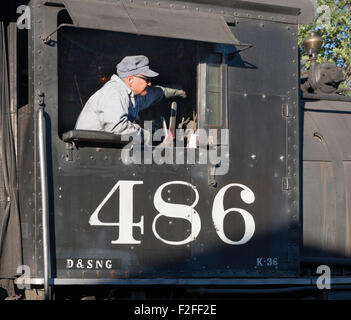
point(87, 59)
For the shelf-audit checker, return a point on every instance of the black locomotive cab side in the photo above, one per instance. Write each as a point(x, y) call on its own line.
point(224, 194)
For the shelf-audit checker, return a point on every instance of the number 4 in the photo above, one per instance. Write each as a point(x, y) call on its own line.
point(125, 223)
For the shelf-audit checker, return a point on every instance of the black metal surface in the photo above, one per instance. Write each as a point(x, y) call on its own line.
point(328, 97)
point(150, 258)
point(78, 187)
point(263, 150)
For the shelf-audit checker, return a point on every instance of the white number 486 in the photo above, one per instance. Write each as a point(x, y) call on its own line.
point(174, 210)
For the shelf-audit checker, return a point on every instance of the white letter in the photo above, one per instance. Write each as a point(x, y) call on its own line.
point(131, 152)
point(203, 142)
point(69, 263)
point(161, 149)
point(218, 214)
point(190, 151)
point(23, 22)
point(90, 264)
point(108, 264)
point(324, 19)
point(23, 282)
point(125, 223)
point(137, 310)
point(180, 211)
point(323, 281)
point(222, 163)
point(180, 135)
point(147, 148)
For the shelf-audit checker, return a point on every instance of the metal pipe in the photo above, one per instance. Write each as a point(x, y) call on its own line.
point(323, 96)
point(47, 38)
point(203, 291)
point(343, 262)
point(44, 200)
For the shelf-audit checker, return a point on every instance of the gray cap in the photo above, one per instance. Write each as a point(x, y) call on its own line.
point(132, 65)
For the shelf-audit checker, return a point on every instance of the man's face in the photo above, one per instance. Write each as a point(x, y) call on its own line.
point(138, 84)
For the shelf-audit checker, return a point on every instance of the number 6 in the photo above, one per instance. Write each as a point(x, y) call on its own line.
point(218, 214)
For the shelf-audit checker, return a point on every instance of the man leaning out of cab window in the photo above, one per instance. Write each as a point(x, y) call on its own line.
point(115, 106)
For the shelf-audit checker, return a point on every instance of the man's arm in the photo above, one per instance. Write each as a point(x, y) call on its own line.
point(156, 94)
point(173, 92)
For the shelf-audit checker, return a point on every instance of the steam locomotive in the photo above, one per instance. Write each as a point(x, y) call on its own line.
point(260, 207)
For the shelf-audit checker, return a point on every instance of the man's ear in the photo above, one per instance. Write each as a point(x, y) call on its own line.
point(128, 80)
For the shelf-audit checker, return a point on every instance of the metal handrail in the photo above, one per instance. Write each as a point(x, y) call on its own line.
point(44, 200)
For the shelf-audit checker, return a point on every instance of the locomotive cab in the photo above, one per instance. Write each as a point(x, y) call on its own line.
point(226, 210)
point(183, 215)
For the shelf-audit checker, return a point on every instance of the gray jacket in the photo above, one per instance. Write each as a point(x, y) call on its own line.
point(114, 107)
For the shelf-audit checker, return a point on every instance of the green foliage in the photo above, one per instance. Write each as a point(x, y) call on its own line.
point(336, 35)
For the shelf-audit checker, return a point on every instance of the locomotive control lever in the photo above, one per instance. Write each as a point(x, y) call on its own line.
point(170, 132)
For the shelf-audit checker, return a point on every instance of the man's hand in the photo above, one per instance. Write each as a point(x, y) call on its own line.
point(172, 92)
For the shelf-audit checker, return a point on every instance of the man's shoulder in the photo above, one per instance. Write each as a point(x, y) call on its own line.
point(115, 85)
point(113, 82)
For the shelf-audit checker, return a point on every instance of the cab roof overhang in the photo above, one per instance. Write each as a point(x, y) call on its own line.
point(306, 8)
point(199, 20)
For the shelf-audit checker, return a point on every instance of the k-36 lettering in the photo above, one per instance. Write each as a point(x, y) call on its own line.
point(267, 262)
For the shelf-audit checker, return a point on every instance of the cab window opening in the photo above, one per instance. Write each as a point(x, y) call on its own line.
point(87, 59)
